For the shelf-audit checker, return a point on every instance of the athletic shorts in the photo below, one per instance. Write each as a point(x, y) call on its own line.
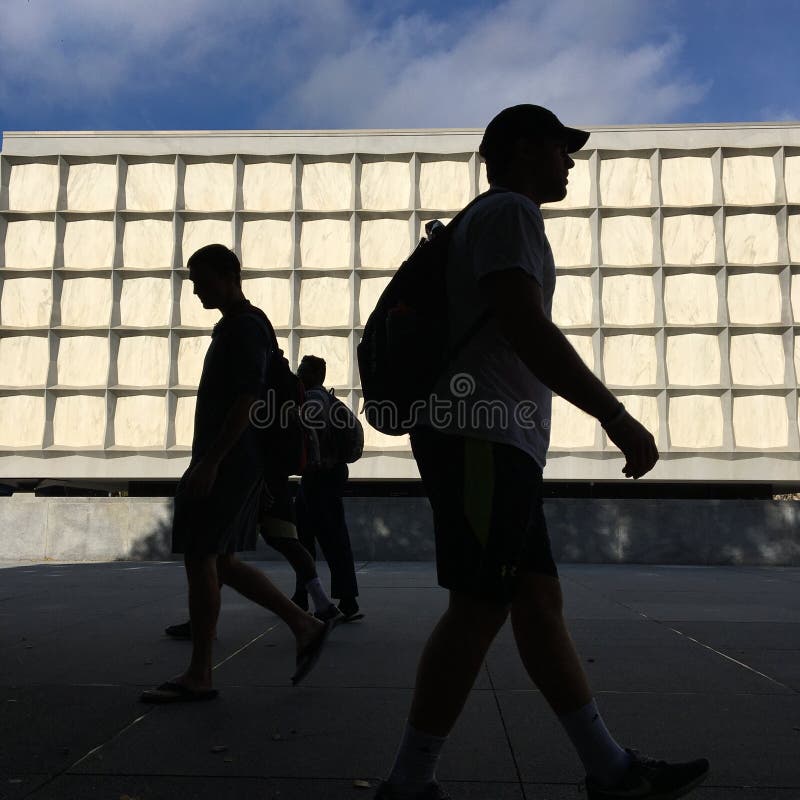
point(487, 513)
point(276, 518)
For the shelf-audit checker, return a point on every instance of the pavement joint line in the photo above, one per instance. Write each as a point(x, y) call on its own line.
point(244, 647)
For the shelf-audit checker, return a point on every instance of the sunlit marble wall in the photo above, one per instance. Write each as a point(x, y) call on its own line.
point(679, 283)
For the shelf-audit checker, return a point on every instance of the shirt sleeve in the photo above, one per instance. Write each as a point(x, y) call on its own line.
point(508, 235)
point(249, 350)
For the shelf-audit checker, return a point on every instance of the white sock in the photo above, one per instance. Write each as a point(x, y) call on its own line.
point(321, 600)
point(603, 758)
point(415, 762)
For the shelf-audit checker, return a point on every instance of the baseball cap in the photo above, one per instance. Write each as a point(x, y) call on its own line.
point(527, 120)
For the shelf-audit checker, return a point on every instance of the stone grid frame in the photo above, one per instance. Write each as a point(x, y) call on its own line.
point(203, 185)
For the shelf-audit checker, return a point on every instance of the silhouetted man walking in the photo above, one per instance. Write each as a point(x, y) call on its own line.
point(484, 479)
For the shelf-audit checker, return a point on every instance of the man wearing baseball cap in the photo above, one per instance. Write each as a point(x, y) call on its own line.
point(483, 472)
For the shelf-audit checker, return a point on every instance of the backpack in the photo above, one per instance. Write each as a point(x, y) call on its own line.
point(405, 344)
point(287, 443)
point(340, 435)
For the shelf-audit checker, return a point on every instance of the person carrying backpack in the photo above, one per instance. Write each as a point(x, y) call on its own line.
point(318, 505)
point(221, 495)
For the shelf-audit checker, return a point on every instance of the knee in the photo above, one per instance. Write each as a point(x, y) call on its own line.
point(539, 602)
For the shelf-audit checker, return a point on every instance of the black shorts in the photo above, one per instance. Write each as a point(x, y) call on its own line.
point(277, 515)
point(487, 513)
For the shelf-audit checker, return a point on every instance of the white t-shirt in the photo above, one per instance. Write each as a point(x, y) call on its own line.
point(490, 393)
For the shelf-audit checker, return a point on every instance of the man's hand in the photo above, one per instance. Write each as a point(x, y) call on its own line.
point(201, 479)
point(637, 445)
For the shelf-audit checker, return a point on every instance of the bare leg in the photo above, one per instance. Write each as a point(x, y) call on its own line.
point(544, 643)
point(300, 560)
point(256, 586)
point(451, 660)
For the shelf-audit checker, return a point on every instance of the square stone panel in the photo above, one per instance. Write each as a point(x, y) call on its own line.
point(273, 296)
point(626, 241)
point(791, 175)
point(444, 184)
point(369, 292)
point(30, 243)
point(689, 239)
point(79, 421)
point(140, 421)
point(751, 238)
point(198, 233)
point(793, 235)
point(184, 420)
point(795, 290)
point(695, 421)
point(578, 188)
point(146, 302)
point(336, 352)
point(628, 299)
point(92, 187)
point(754, 298)
point(150, 186)
point(86, 302)
point(748, 179)
point(147, 244)
point(569, 426)
point(693, 359)
point(385, 185)
point(760, 421)
point(82, 361)
point(268, 186)
point(325, 302)
point(757, 359)
point(325, 243)
point(690, 299)
point(208, 186)
point(25, 360)
point(33, 187)
point(192, 312)
point(326, 186)
point(584, 347)
point(643, 408)
point(191, 353)
point(26, 302)
point(687, 181)
point(572, 300)
point(143, 361)
point(625, 182)
point(267, 244)
point(21, 420)
point(797, 359)
point(483, 181)
point(89, 243)
point(630, 360)
point(384, 243)
point(570, 239)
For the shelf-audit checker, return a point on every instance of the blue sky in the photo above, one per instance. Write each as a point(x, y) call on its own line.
point(292, 64)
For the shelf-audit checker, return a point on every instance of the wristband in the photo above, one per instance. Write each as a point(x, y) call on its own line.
point(617, 417)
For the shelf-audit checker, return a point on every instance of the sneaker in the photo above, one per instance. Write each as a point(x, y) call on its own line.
point(350, 610)
point(433, 791)
point(648, 779)
point(181, 631)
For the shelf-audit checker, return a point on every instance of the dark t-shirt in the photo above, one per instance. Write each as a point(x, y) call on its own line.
point(235, 364)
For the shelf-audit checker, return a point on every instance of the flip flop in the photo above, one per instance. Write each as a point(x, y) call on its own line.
point(171, 692)
point(309, 655)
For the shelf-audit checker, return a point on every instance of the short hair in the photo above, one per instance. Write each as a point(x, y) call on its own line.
point(220, 258)
point(314, 367)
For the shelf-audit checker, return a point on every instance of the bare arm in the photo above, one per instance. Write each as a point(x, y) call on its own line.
point(516, 300)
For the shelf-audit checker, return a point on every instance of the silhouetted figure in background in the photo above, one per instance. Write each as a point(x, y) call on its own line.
point(484, 480)
point(220, 496)
point(319, 506)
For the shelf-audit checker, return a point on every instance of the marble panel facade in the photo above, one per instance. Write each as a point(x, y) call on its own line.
point(791, 175)
point(748, 179)
point(795, 297)
point(140, 420)
point(369, 292)
point(191, 311)
point(385, 185)
point(754, 298)
point(143, 361)
point(625, 182)
point(79, 421)
point(198, 233)
point(325, 243)
point(578, 189)
point(570, 239)
point(30, 243)
point(643, 408)
point(793, 235)
point(273, 296)
point(695, 421)
point(82, 361)
point(86, 302)
point(626, 241)
point(184, 420)
point(690, 299)
point(325, 302)
point(33, 187)
point(92, 186)
point(584, 347)
point(325, 186)
point(444, 184)
point(630, 359)
point(268, 186)
point(336, 352)
point(689, 239)
point(760, 421)
point(21, 420)
point(757, 359)
point(693, 359)
point(26, 302)
point(147, 244)
point(89, 243)
point(572, 301)
point(146, 302)
point(570, 427)
point(686, 181)
point(384, 243)
point(150, 186)
point(208, 186)
point(191, 352)
point(751, 238)
point(267, 244)
point(25, 360)
point(628, 299)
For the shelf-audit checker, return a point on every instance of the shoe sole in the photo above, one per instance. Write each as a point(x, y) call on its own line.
point(674, 794)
